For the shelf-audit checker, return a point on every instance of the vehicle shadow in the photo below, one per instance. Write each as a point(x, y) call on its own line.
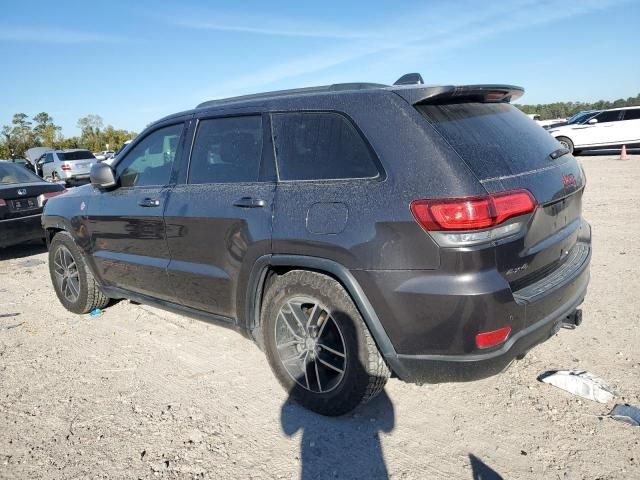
point(482, 471)
point(607, 152)
point(22, 250)
point(341, 447)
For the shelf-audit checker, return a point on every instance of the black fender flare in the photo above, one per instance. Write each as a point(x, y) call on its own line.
point(255, 288)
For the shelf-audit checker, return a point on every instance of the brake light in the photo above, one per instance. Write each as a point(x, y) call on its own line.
point(2, 203)
point(472, 213)
point(43, 197)
point(65, 167)
point(493, 338)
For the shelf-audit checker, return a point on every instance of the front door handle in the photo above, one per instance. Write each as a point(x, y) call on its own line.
point(149, 202)
point(249, 202)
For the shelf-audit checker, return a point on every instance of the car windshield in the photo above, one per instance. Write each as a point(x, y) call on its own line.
point(11, 173)
point(76, 155)
point(580, 116)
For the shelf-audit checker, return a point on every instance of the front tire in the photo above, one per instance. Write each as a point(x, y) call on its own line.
point(318, 345)
point(566, 143)
point(72, 279)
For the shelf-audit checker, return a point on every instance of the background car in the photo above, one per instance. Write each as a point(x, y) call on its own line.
point(112, 159)
point(578, 118)
point(22, 197)
point(607, 129)
point(33, 155)
point(104, 155)
point(71, 166)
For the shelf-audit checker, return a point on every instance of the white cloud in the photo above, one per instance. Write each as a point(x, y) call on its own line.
point(410, 40)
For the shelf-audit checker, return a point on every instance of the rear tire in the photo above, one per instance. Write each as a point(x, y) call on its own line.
point(72, 279)
point(324, 356)
point(566, 142)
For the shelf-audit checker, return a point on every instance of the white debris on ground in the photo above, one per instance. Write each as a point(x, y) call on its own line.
point(583, 384)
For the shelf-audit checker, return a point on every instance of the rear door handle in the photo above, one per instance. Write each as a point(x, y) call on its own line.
point(249, 202)
point(149, 202)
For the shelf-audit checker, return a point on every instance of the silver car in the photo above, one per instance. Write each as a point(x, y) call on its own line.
point(69, 166)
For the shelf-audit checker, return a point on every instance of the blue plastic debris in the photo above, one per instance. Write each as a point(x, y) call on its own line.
point(626, 413)
point(95, 313)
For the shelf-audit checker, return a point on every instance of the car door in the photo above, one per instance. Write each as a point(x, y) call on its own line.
point(129, 244)
point(606, 130)
point(631, 126)
point(46, 164)
point(219, 217)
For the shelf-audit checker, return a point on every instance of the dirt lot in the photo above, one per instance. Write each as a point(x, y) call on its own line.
point(138, 392)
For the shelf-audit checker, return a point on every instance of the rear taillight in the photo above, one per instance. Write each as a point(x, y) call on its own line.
point(2, 203)
point(66, 167)
point(472, 213)
point(484, 213)
point(43, 197)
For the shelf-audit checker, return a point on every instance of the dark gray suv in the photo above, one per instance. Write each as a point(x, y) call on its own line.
point(354, 231)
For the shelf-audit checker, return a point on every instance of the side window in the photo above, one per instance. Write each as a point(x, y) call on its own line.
point(150, 161)
point(320, 146)
point(632, 114)
point(611, 116)
point(227, 150)
point(48, 158)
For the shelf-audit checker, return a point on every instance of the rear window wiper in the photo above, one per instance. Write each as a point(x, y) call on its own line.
point(558, 153)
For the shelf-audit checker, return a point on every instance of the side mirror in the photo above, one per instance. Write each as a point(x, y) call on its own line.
point(593, 121)
point(102, 176)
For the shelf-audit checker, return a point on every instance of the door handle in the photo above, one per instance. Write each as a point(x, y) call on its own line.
point(249, 202)
point(149, 202)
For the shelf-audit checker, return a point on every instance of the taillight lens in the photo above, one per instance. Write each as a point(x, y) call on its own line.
point(43, 197)
point(472, 213)
point(65, 167)
point(2, 203)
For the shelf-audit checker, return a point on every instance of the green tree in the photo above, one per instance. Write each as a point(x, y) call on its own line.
point(46, 132)
point(91, 131)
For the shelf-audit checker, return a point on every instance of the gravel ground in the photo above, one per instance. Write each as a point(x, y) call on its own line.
point(138, 392)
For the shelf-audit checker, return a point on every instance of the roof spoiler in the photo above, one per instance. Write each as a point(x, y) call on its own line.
point(463, 93)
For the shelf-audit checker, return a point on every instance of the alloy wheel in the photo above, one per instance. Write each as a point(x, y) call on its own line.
point(310, 345)
point(66, 273)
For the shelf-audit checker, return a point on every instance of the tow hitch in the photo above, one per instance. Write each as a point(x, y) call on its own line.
point(573, 320)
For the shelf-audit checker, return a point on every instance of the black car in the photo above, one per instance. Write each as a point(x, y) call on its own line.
point(353, 231)
point(22, 197)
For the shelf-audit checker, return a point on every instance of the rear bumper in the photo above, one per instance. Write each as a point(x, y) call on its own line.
point(18, 230)
point(432, 318)
point(463, 368)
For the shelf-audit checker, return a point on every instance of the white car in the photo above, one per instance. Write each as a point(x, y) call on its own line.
point(608, 129)
point(112, 158)
point(70, 166)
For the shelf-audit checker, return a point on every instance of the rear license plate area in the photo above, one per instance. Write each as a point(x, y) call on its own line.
point(24, 204)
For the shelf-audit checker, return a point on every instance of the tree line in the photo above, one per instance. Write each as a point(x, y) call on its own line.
point(550, 111)
point(41, 131)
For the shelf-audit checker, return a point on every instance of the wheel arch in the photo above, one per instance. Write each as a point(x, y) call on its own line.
point(269, 266)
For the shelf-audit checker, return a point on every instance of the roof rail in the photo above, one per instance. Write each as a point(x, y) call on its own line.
point(336, 87)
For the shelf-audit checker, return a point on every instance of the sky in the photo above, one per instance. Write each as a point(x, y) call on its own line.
point(134, 62)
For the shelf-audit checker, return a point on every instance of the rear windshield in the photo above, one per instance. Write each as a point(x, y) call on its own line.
point(494, 139)
point(11, 173)
point(79, 155)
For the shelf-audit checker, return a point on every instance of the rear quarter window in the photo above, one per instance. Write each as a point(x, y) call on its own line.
point(320, 146)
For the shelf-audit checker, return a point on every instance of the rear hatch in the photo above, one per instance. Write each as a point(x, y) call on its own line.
point(506, 150)
point(79, 162)
point(22, 193)
point(22, 200)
